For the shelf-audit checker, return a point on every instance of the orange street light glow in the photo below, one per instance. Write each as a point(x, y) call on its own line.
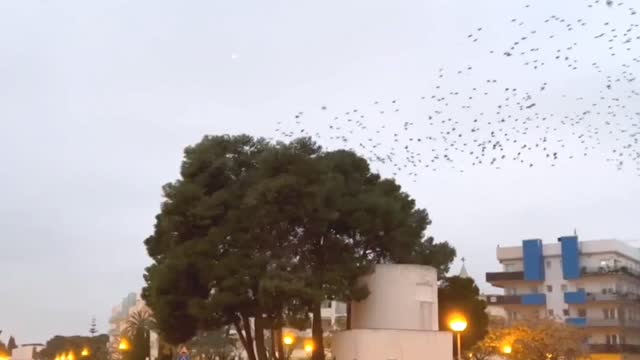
point(85, 352)
point(288, 339)
point(309, 346)
point(457, 323)
point(124, 345)
point(506, 349)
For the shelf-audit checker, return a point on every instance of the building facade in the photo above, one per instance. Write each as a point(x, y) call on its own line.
point(26, 351)
point(589, 284)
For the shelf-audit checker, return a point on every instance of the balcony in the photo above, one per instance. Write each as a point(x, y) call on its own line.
point(604, 322)
point(612, 297)
point(527, 299)
point(502, 276)
point(614, 348)
point(575, 297)
point(578, 322)
point(608, 271)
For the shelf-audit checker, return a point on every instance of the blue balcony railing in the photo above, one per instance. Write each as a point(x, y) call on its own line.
point(534, 299)
point(575, 297)
point(578, 321)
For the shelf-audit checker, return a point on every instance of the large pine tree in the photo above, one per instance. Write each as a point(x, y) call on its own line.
point(255, 235)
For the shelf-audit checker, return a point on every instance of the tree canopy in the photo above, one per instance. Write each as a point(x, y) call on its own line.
point(213, 345)
point(11, 344)
point(58, 345)
point(533, 340)
point(264, 231)
point(461, 295)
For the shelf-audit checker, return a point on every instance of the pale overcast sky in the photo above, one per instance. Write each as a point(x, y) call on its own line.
point(98, 99)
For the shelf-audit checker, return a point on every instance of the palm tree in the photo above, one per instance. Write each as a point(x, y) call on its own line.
point(139, 320)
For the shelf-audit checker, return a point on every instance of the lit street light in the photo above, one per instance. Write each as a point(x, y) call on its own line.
point(124, 345)
point(458, 323)
point(288, 339)
point(85, 352)
point(309, 346)
point(506, 349)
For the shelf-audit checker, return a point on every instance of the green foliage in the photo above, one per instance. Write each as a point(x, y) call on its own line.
point(140, 346)
point(57, 345)
point(255, 230)
point(213, 345)
point(461, 295)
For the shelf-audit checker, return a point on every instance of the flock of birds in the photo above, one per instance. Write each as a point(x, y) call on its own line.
point(463, 122)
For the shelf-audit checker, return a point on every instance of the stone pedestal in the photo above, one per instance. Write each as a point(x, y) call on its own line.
point(399, 319)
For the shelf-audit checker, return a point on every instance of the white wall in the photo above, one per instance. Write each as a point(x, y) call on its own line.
point(393, 345)
point(402, 297)
point(25, 352)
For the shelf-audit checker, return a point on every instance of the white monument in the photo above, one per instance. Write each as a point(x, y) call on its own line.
point(399, 319)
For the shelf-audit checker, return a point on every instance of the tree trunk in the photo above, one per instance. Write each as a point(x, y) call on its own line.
point(316, 332)
point(280, 344)
point(273, 344)
point(261, 349)
point(348, 315)
point(251, 354)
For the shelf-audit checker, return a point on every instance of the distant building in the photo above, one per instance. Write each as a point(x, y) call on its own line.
point(26, 351)
point(593, 285)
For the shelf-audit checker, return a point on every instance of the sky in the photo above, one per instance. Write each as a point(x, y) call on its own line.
point(98, 100)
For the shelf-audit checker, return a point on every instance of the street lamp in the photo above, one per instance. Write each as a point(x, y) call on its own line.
point(506, 349)
point(458, 323)
point(124, 345)
point(288, 339)
point(309, 346)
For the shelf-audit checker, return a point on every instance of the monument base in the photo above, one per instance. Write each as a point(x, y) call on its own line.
point(374, 344)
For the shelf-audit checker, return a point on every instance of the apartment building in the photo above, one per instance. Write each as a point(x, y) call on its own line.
point(590, 284)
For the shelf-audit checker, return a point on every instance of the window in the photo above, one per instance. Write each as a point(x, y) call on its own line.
point(341, 308)
point(565, 312)
point(609, 313)
point(582, 313)
point(548, 264)
point(550, 312)
point(326, 304)
point(549, 288)
point(533, 289)
point(612, 339)
point(563, 287)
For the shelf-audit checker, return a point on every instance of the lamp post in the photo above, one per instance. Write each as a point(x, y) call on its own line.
point(288, 340)
point(309, 346)
point(458, 324)
point(124, 345)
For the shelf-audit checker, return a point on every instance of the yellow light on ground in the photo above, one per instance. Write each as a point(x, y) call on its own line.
point(288, 339)
point(85, 352)
point(309, 346)
point(124, 345)
point(457, 323)
point(506, 349)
